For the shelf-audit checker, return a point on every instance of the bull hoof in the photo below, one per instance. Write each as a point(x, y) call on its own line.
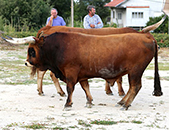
point(41, 94)
point(89, 105)
point(121, 103)
point(62, 94)
point(67, 108)
point(68, 105)
point(157, 93)
point(121, 94)
point(125, 107)
point(110, 94)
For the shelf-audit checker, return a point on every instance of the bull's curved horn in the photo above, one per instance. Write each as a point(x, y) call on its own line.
point(29, 39)
point(19, 39)
point(154, 26)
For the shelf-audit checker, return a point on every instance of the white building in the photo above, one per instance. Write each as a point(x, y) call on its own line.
point(134, 13)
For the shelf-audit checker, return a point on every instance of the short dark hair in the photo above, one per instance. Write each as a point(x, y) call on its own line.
point(54, 9)
point(89, 7)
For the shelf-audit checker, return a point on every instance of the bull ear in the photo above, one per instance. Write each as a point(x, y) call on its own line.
point(41, 41)
point(36, 39)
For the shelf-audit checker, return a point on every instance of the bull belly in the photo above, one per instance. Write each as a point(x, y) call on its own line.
point(102, 73)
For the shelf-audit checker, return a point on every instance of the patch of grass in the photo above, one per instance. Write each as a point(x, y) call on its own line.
point(162, 66)
point(35, 126)
point(59, 128)
point(137, 122)
point(83, 123)
point(13, 124)
point(102, 122)
point(149, 77)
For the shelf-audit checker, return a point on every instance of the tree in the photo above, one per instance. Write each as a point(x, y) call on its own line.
point(32, 13)
point(63, 7)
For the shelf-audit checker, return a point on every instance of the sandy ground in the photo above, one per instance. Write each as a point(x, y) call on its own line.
point(21, 105)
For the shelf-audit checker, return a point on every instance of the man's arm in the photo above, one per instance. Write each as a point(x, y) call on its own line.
point(99, 22)
point(49, 21)
point(86, 23)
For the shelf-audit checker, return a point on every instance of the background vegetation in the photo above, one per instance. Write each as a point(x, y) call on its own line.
point(20, 18)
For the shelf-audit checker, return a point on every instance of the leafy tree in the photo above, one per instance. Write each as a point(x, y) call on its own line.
point(63, 7)
point(163, 28)
point(32, 13)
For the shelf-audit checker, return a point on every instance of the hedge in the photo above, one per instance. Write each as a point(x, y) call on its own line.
point(162, 39)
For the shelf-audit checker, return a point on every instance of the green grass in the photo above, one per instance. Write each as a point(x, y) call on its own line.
point(162, 66)
point(35, 126)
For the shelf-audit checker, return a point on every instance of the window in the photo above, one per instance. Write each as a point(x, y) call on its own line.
point(137, 14)
point(119, 15)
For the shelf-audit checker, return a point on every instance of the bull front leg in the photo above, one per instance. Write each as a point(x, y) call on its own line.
point(70, 89)
point(57, 85)
point(40, 75)
point(85, 86)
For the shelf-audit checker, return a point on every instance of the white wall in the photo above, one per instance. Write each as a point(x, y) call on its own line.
point(154, 10)
point(136, 22)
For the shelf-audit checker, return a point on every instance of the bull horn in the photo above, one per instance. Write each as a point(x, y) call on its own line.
point(9, 37)
point(29, 39)
point(19, 39)
point(154, 26)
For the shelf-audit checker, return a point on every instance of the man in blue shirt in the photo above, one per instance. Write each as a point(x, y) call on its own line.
point(54, 19)
point(92, 20)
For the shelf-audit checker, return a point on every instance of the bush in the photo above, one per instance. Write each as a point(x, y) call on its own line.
point(19, 34)
point(162, 39)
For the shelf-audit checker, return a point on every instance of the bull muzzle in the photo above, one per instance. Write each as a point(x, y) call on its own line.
point(28, 64)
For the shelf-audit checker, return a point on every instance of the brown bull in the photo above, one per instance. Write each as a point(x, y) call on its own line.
point(47, 30)
point(104, 31)
point(108, 57)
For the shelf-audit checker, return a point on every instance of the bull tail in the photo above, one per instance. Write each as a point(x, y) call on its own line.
point(157, 85)
point(154, 26)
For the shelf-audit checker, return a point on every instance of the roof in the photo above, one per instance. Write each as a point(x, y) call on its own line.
point(138, 7)
point(114, 3)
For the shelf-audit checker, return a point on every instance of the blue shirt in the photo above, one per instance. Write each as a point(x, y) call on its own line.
point(95, 19)
point(58, 21)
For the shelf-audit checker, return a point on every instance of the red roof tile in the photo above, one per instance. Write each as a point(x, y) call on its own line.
point(138, 7)
point(114, 3)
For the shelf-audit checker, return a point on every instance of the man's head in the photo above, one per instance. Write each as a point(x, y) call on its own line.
point(54, 12)
point(91, 9)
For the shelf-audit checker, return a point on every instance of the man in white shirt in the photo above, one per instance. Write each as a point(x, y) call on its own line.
point(92, 20)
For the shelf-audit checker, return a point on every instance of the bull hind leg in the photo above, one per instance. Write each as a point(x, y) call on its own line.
point(120, 88)
point(40, 75)
point(135, 86)
point(85, 86)
point(107, 89)
point(57, 85)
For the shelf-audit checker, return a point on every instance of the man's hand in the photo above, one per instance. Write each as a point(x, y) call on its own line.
point(92, 25)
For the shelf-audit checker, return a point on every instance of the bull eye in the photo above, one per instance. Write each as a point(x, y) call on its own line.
point(31, 52)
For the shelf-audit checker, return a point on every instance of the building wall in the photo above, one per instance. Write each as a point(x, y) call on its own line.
point(140, 18)
point(154, 10)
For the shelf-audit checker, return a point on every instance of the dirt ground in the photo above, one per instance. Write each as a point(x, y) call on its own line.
point(22, 108)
